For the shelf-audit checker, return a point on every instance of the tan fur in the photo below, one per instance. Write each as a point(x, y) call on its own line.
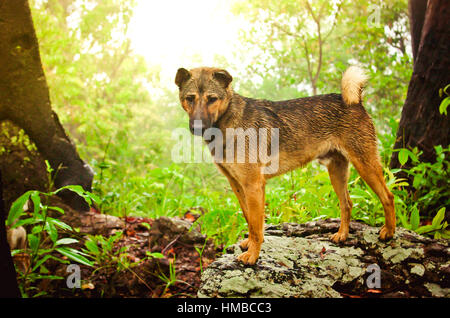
point(352, 84)
point(332, 128)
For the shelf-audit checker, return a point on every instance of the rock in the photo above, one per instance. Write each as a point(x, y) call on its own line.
point(95, 223)
point(299, 260)
point(183, 229)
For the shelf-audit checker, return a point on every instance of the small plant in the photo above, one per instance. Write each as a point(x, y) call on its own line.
point(44, 236)
point(101, 250)
point(438, 226)
point(172, 278)
point(446, 101)
point(431, 182)
point(200, 255)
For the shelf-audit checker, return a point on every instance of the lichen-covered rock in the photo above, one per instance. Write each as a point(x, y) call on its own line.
point(182, 228)
point(299, 260)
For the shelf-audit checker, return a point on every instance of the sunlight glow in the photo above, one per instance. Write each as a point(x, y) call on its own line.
point(176, 33)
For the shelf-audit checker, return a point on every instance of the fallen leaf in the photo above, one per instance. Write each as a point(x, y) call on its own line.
point(130, 232)
point(188, 216)
point(350, 296)
point(322, 252)
point(88, 286)
point(94, 210)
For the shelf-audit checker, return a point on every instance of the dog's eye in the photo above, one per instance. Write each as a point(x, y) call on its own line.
point(190, 98)
point(211, 99)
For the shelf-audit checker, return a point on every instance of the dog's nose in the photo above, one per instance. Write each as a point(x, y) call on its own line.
point(197, 128)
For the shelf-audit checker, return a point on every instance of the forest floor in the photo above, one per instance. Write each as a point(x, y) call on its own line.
point(161, 257)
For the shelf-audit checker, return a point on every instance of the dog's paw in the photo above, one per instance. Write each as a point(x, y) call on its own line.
point(386, 233)
point(339, 237)
point(248, 258)
point(251, 255)
point(244, 244)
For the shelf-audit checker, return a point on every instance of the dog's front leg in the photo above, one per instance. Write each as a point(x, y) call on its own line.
point(254, 197)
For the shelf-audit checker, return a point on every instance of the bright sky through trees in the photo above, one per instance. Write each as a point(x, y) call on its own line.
point(175, 33)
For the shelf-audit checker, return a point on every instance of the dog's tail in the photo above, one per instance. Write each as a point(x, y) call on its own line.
point(352, 85)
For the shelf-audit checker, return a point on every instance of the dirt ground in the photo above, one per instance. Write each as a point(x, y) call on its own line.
point(175, 272)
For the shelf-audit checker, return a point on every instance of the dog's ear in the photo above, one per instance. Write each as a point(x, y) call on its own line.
point(223, 77)
point(182, 76)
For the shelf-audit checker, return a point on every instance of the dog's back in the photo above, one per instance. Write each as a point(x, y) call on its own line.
point(310, 127)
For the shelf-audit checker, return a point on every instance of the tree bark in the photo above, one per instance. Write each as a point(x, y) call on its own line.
point(421, 124)
point(417, 10)
point(24, 99)
point(8, 281)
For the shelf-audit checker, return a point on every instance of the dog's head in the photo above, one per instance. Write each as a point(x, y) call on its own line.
point(205, 94)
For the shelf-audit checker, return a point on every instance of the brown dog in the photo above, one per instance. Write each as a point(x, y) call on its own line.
point(333, 128)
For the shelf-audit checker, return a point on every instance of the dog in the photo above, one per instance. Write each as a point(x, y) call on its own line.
point(335, 129)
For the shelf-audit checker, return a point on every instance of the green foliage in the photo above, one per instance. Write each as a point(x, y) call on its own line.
point(170, 279)
point(44, 237)
point(438, 226)
point(446, 101)
point(431, 182)
point(428, 192)
point(105, 252)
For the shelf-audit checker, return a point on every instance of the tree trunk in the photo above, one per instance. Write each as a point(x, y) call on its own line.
point(421, 124)
point(24, 99)
point(8, 282)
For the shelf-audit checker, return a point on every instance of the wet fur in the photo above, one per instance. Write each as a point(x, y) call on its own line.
point(333, 128)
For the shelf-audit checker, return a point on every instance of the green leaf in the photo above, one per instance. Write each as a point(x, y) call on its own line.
point(17, 208)
point(92, 247)
point(40, 262)
point(55, 208)
point(437, 220)
point(36, 199)
point(59, 224)
point(78, 190)
point(155, 255)
point(415, 218)
point(424, 229)
point(74, 255)
point(403, 156)
point(33, 241)
point(445, 234)
point(66, 241)
point(444, 105)
point(51, 230)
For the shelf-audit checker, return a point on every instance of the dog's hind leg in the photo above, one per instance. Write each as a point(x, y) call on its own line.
point(337, 166)
point(371, 171)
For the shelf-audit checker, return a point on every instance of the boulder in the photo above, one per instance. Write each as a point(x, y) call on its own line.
point(299, 260)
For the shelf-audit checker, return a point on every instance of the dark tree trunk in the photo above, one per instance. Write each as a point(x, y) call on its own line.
point(24, 99)
point(8, 282)
point(417, 10)
point(421, 124)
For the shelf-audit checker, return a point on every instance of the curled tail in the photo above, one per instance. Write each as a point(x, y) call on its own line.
point(352, 85)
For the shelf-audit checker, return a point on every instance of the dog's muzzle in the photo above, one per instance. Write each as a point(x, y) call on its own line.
point(197, 127)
